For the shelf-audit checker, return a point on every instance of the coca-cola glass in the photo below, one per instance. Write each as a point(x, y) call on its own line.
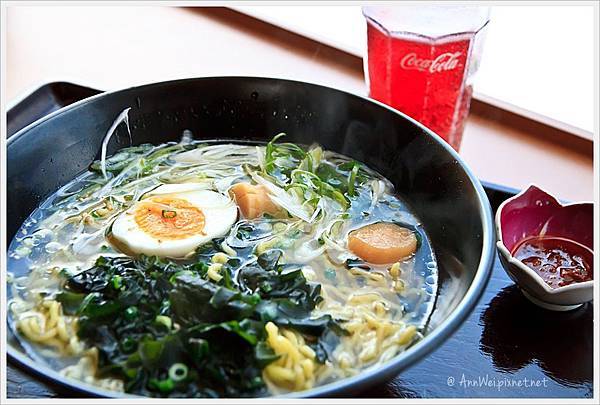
point(421, 61)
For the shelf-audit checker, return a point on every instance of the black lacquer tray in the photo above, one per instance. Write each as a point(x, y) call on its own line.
point(506, 348)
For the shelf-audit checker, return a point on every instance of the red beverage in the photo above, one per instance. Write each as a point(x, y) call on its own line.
point(427, 78)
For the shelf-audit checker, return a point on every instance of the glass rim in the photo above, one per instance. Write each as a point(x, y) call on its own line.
point(423, 37)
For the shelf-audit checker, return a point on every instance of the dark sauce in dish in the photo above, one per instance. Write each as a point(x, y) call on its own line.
point(558, 261)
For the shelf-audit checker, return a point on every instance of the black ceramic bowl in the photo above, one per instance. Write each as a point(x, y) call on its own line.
point(426, 172)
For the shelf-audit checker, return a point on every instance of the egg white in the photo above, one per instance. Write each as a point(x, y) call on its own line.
point(220, 213)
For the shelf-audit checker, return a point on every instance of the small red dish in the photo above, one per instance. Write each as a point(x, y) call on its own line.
point(547, 248)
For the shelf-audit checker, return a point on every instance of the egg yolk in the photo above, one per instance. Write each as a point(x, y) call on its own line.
point(169, 218)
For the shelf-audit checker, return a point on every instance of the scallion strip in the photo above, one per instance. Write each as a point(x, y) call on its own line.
point(352, 179)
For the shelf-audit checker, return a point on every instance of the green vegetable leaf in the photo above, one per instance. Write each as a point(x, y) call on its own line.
point(264, 354)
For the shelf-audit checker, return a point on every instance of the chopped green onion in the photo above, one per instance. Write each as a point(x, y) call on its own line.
point(198, 348)
point(256, 382)
point(266, 287)
point(130, 372)
point(169, 214)
point(128, 345)
point(131, 313)
point(164, 320)
point(117, 282)
point(178, 372)
point(164, 386)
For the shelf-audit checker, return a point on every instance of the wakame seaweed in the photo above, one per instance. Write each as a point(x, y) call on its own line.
point(150, 316)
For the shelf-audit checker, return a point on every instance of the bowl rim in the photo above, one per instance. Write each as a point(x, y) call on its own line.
point(519, 264)
point(366, 377)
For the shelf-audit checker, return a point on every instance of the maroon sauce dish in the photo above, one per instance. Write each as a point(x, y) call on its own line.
point(547, 248)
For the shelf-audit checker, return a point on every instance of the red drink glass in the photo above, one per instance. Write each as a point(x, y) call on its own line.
point(421, 61)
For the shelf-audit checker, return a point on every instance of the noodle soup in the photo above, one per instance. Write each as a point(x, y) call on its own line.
point(221, 270)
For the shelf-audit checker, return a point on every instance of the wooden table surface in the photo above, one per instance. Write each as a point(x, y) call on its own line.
point(109, 47)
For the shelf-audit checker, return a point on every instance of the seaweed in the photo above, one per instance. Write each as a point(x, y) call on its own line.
point(147, 315)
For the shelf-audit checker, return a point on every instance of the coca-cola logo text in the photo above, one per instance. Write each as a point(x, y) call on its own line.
point(443, 62)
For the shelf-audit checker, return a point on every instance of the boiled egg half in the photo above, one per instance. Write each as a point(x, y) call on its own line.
point(173, 220)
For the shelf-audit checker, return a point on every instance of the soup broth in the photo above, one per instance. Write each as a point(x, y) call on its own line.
point(209, 269)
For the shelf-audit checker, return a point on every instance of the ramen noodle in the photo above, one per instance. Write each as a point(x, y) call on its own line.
point(207, 269)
